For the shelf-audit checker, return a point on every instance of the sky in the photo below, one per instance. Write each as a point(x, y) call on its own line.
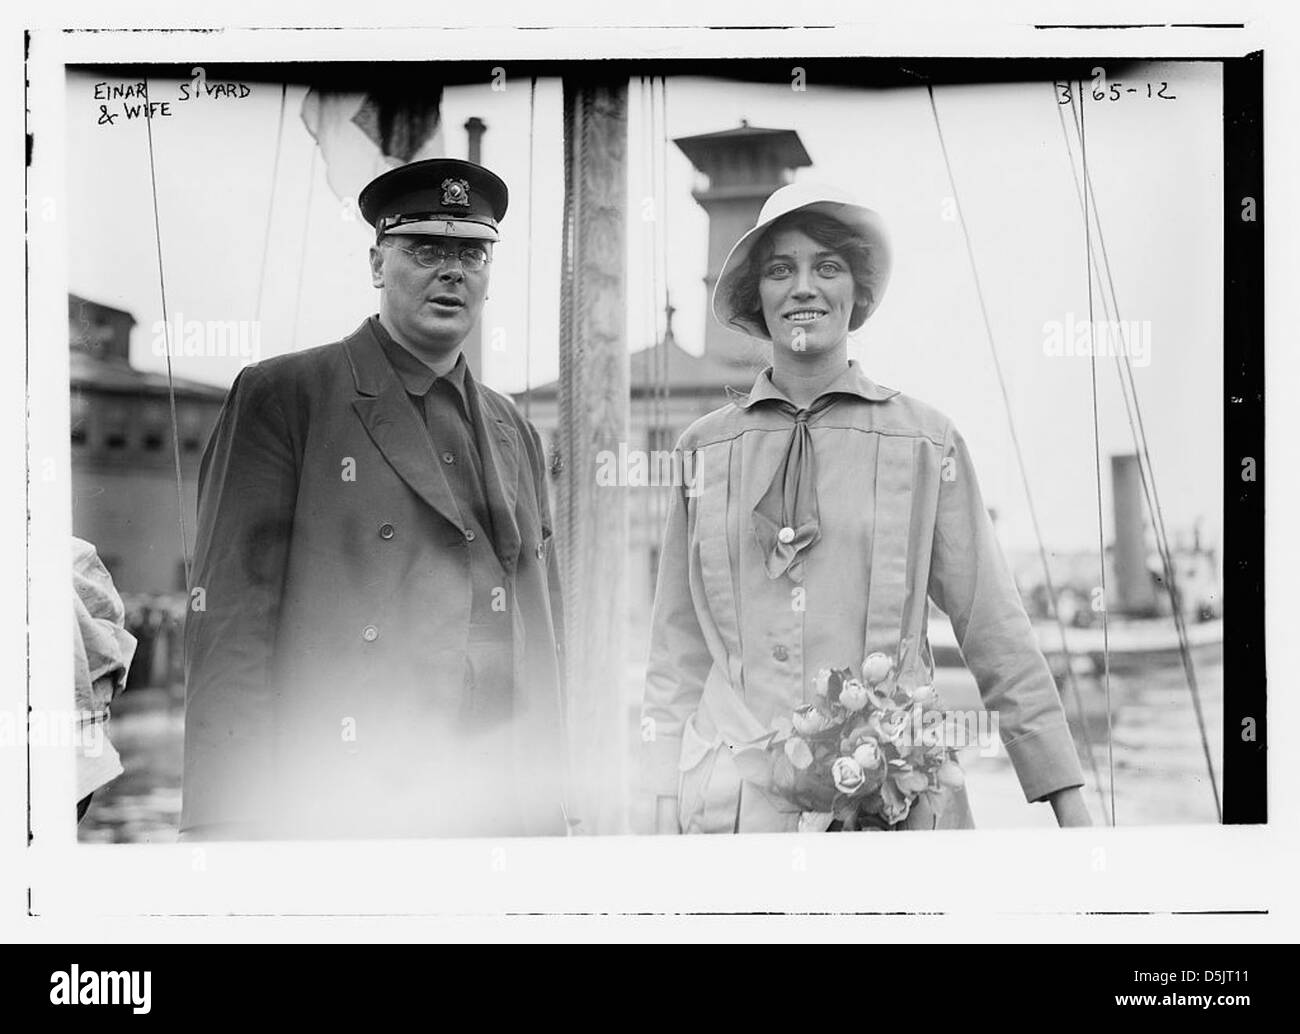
point(1155, 166)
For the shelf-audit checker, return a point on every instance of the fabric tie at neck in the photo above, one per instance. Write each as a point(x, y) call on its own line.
point(790, 502)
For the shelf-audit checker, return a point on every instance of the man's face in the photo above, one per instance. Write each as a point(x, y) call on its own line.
point(430, 308)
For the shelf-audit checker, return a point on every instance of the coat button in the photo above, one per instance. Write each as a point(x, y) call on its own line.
point(541, 550)
point(370, 633)
point(785, 535)
point(469, 535)
point(386, 531)
point(448, 457)
point(780, 653)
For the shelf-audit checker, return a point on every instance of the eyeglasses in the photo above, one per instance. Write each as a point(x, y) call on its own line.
point(471, 256)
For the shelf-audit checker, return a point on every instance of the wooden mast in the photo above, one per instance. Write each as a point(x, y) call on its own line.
point(592, 520)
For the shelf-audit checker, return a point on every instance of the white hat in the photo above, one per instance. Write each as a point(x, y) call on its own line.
point(810, 197)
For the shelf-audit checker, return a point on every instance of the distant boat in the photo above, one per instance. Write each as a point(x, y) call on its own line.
point(1134, 642)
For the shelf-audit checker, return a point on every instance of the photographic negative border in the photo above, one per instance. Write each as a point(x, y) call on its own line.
point(715, 861)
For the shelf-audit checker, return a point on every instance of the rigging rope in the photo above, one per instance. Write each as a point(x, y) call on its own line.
point(1096, 449)
point(663, 251)
point(647, 255)
point(660, 147)
point(1020, 461)
point(1146, 471)
point(657, 340)
point(171, 387)
point(270, 204)
point(528, 266)
point(302, 258)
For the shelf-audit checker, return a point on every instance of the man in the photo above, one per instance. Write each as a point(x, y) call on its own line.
point(374, 628)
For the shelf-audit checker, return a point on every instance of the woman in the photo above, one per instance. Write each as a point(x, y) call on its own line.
point(824, 510)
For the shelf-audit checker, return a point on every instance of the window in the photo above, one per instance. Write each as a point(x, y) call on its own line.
point(115, 424)
point(191, 429)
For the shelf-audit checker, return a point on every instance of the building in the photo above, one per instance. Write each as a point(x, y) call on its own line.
point(124, 497)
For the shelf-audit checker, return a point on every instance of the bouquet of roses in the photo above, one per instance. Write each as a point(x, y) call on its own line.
point(860, 753)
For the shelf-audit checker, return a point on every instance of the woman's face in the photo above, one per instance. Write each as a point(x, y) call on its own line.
point(807, 293)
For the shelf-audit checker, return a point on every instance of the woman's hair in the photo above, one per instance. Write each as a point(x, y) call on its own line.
point(830, 233)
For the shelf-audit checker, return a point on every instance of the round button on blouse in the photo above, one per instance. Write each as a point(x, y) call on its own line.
point(785, 535)
point(469, 535)
point(780, 653)
point(448, 457)
point(370, 633)
point(386, 531)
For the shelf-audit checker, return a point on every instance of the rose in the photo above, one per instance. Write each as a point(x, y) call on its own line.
point(847, 775)
point(876, 667)
point(868, 755)
point(911, 782)
point(922, 693)
point(951, 775)
point(809, 721)
point(799, 753)
point(854, 695)
point(890, 726)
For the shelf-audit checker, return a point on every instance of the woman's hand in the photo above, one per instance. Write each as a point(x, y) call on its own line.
point(1069, 807)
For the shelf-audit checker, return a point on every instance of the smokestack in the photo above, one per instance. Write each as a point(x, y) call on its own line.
point(1134, 591)
point(743, 167)
point(473, 346)
point(475, 126)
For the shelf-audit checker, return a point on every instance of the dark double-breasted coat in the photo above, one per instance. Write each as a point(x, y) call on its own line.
point(330, 605)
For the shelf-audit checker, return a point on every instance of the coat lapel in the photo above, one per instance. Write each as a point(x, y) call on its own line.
point(394, 426)
point(499, 449)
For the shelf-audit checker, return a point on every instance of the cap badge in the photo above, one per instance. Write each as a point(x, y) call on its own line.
point(455, 192)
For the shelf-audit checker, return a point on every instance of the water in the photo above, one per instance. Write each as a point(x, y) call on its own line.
point(1160, 772)
point(1161, 776)
point(143, 805)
